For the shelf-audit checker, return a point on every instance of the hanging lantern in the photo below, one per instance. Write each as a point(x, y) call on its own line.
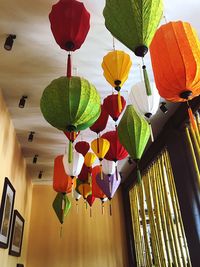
point(101, 122)
point(77, 196)
point(71, 136)
point(85, 190)
point(146, 105)
point(73, 168)
point(109, 184)
point(61, 181)
point(116, 151)
point(61, 206)
point(116, 66)
point(100, 149)
point(134, 23)
point(108, 167)
point(82, 147)
point(96, 191)
point(111, 106)
point(84, 174)
point(89, 161)
point(134, 132)
point(70, 23)
point(90, 199)
point(70, 104)
point(176, 49)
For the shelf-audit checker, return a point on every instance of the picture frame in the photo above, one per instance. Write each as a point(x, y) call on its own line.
point(16, 234)
point(6, 212)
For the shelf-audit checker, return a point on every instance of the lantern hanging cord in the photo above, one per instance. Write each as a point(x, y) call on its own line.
point(191, 117)
point(146, 78)
point(113, 43)
point(69, 66)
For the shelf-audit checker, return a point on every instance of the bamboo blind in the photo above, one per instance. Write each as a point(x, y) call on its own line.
point(193, 140)
point(156, 218)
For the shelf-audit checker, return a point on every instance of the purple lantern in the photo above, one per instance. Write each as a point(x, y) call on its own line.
point(108, 184)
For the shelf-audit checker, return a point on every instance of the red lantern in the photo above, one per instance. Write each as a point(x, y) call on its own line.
point(82, 147)
point(90, 200)
point(116, 151)
point(70, 23)
point(71, 135)
point(61, 181)
point(96, 190)
point(110, 104)
point(85, 173)
point(100, 123)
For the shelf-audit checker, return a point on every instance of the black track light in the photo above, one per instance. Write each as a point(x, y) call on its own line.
point(22, 101)
point(9, 42)
point(40, 174)
point(30, 137)
point(163, 107)
point(35, 158)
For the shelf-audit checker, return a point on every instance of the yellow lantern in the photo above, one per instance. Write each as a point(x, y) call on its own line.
point(100, 147)
point(85, 190)
point(89, 161)
point(116, 66)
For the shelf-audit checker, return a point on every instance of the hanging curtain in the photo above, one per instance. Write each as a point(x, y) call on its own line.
point(156, 218)
point(193, 142)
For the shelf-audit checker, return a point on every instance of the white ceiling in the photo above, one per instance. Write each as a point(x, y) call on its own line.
point(36, 59)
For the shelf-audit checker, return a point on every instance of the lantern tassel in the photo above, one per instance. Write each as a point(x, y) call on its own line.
point(119, 102)
point(192, 120)
point(110, 208)
point(76, 206)
point(70, 152)
point(101, 172)
point(110, 186)
point(90, 212)
point(151, 132)
point(102, 208)
point(146, 80)
point(69, 66)
point(61, 231)
point(139, 178)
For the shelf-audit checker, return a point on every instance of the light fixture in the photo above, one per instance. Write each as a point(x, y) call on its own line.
point(9, 42)
point(163, 107)
point(35, 158)
point(22, 101)
point(40, 174)
point(30, 137)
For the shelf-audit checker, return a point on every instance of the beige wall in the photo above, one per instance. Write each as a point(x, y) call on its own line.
point(12, 165)
point(86, 242)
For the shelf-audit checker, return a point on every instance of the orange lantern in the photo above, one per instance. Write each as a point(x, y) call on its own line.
point(61, 181)
point(175, 53)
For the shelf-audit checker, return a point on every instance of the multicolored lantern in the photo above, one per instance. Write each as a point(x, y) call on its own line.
point(133, 132)
point(146, 105)
point(70, 23)
point(61, 181)
point(82, 147)
point(111, 106)
point(134, 23)
point(176, 49)
point(116, 66)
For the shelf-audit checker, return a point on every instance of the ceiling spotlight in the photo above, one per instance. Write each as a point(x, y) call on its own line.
point(163, 107)
point(35, 159)
point(9, 42)
point(40, 174)
point(22, 101)
point(30, 137)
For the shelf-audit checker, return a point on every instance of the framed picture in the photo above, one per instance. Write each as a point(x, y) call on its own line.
point(6, 211)
point(16, 235)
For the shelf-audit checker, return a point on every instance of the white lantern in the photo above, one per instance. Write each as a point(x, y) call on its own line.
point(76, 195)
point(73, 168)
point(146, 105)
point(108, 167)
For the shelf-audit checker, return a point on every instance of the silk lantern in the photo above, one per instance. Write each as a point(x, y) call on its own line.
point(108, 167)
point(61, 206)
point(101, 122)
point(70, 23)
point(116, 66)
point(70, 104)
point(89, 161)
point(96, 190)
point(116, 151)
point(85, 190)
point(84, 174)
point(61, 181)
point(73, 168)
point(176, 49)
point(146, 105)
point(82, 147)
point(111, 106)
point(134, 22)
point(134, 132)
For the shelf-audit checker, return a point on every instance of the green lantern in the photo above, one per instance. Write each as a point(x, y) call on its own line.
point(70, 104)
point(61, 206)
point(134, 133)
point(134, 23)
